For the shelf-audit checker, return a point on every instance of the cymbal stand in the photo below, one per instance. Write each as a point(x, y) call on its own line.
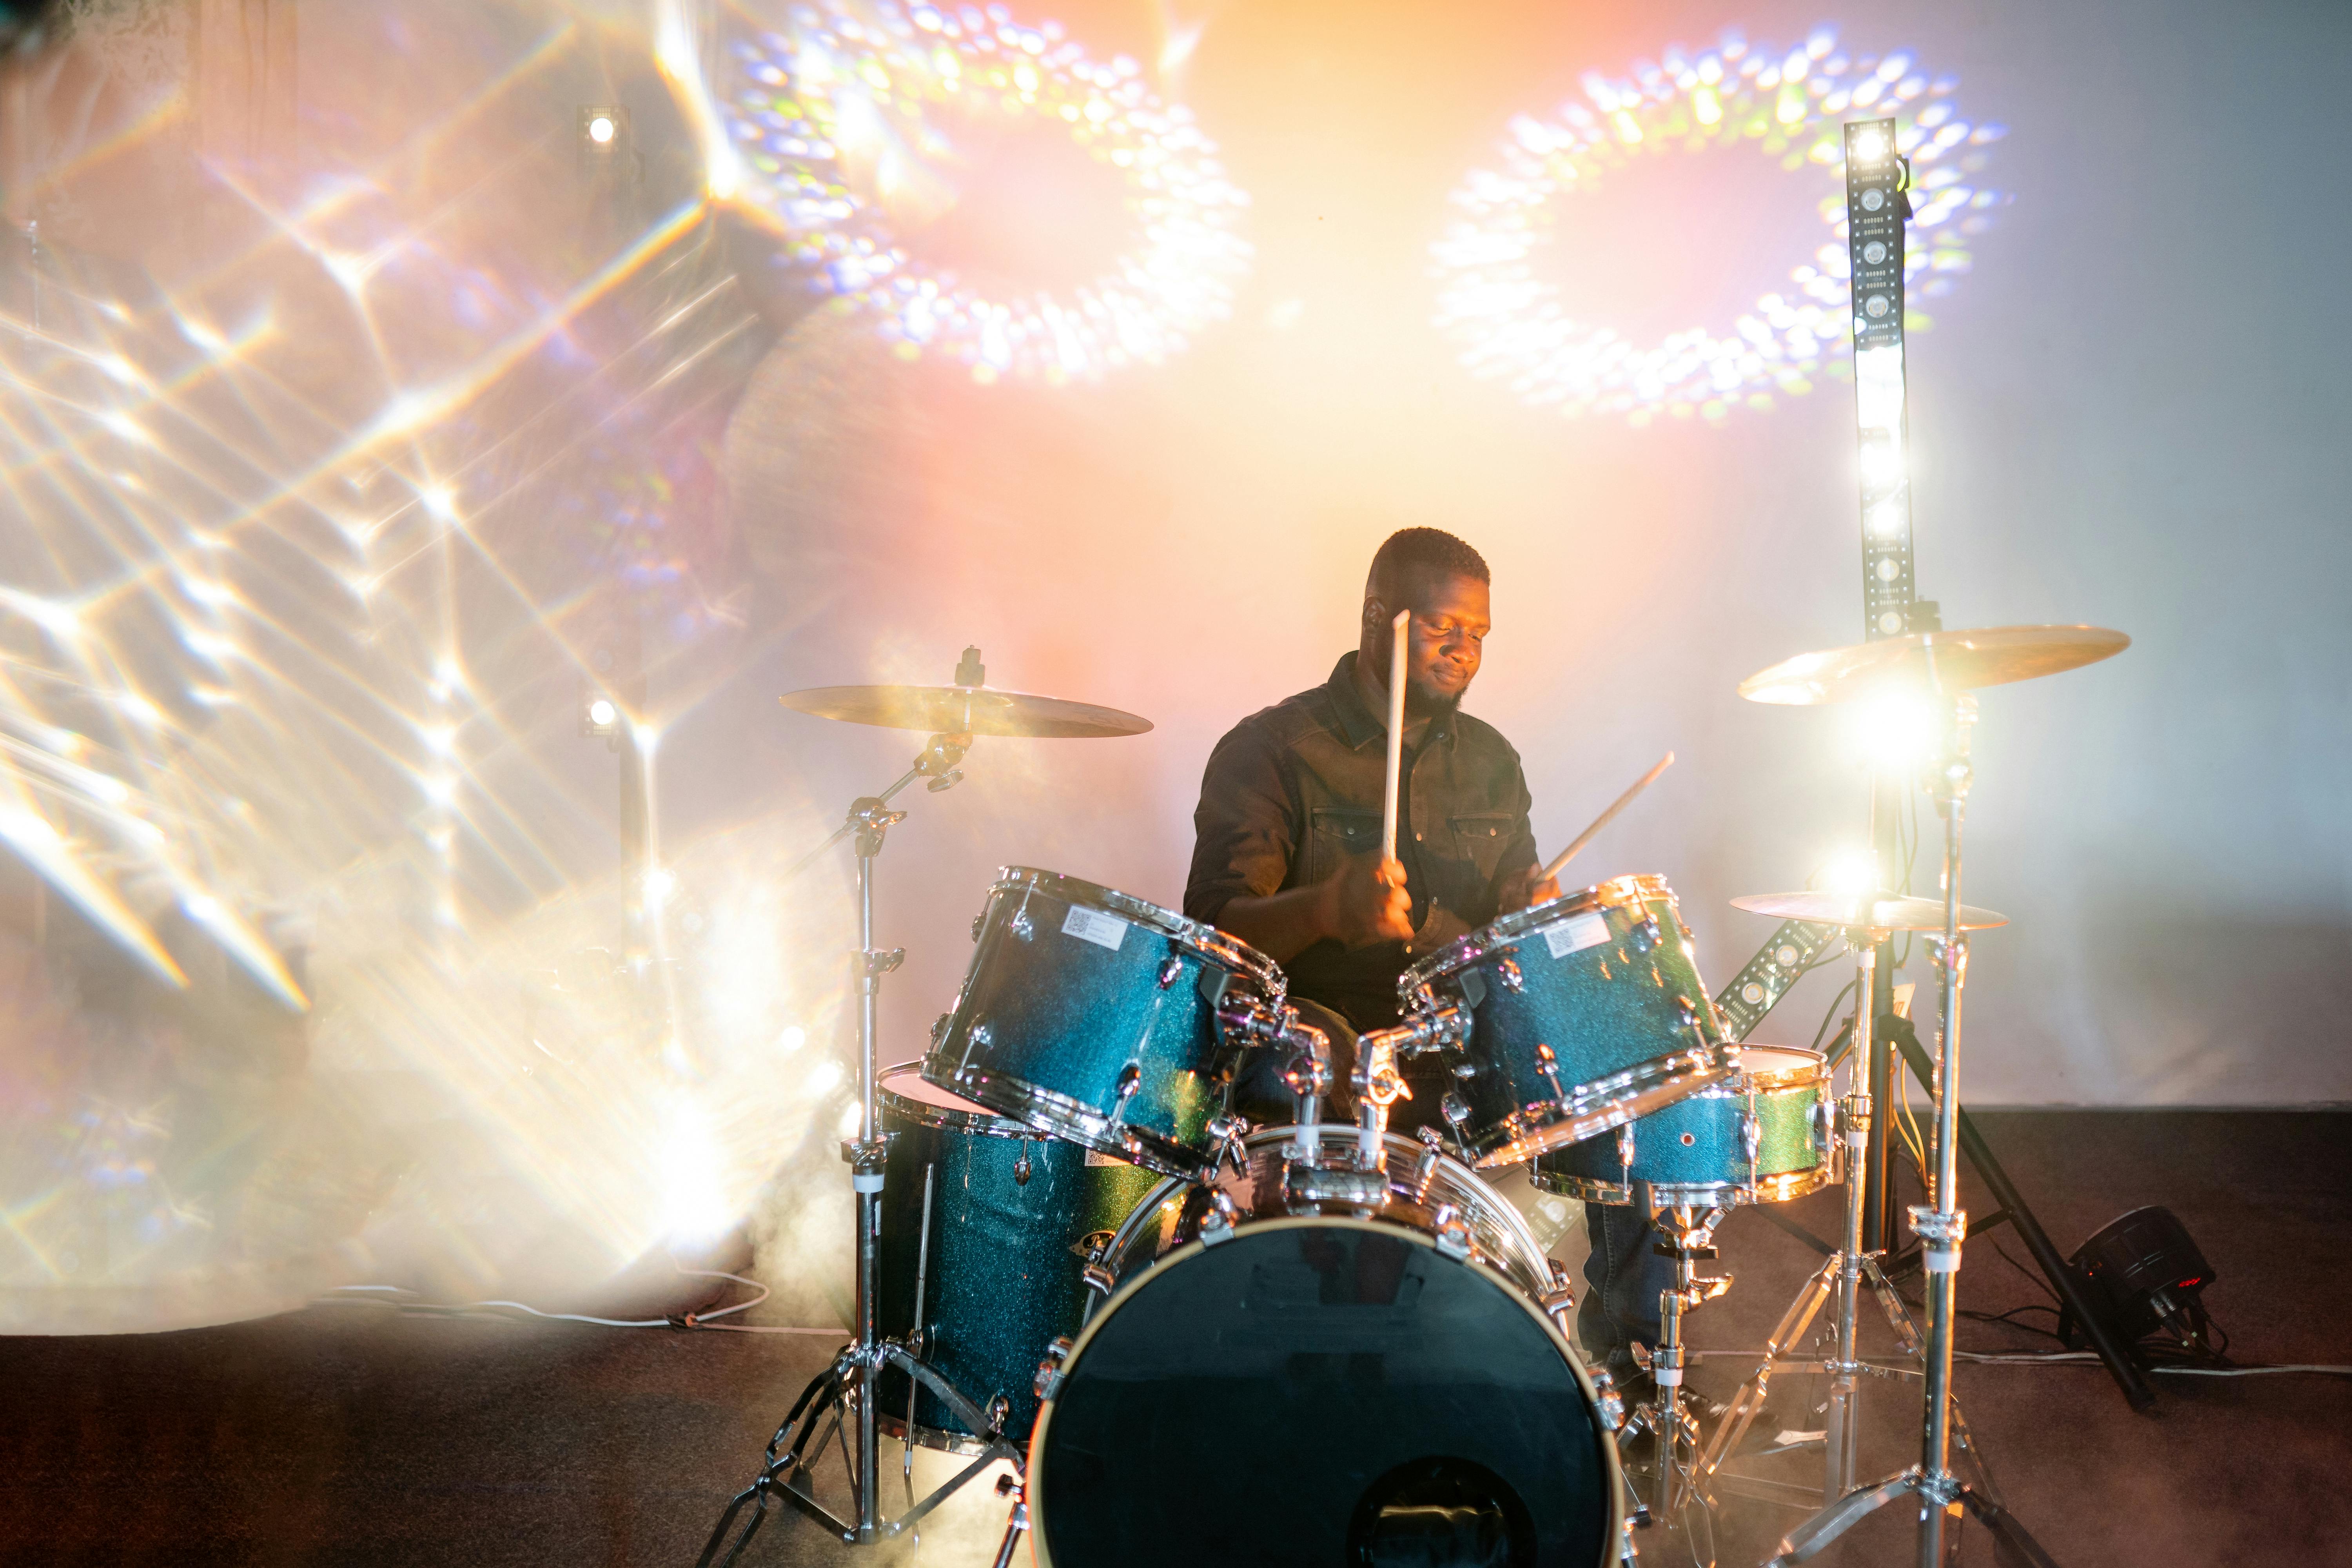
point(1689, 1240)
point(1941, 1226)
point(1840, 1278)
point(844, 1396)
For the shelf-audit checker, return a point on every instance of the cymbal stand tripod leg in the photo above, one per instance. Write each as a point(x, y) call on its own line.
point(1941, 1226)
point(847, 1390)
point(1840, 1275)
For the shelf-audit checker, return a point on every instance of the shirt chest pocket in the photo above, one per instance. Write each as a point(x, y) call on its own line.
point(1336, 833)
point(1480, 838)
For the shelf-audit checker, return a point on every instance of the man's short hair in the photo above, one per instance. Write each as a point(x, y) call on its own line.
point(1427, 550)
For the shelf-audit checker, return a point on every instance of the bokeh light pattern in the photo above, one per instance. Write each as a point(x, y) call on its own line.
point(834, 114)
point(317, 520)
point(1512, 325)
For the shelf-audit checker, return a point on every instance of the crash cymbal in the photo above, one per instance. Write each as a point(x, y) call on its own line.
point(1883, 912)
point(964, 710)
point(1949, 661)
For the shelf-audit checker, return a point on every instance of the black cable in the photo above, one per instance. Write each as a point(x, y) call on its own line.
point(1835, 1003)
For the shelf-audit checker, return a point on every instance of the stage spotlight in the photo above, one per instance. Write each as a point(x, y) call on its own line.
point(2144, 1273)
point(600, 718)
point(1895, 734)
point(1850, 871)
point(1871, 145)
point(604, 134)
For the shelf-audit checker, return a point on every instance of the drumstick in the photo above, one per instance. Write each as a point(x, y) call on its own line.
point(1602, 821)
point(1396, 733)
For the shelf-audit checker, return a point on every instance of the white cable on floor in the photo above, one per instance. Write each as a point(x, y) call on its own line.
point(366, 1295)
point(2051, 1358)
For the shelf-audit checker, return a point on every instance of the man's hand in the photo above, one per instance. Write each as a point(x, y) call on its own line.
point(1365, 902)
point(1521, 890)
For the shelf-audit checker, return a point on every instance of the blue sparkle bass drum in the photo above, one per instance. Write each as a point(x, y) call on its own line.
point(1283, 1372)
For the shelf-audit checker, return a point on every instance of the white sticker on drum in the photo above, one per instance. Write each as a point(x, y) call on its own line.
point(1092, 925)
point(1576, 934)
point(1097, 1157)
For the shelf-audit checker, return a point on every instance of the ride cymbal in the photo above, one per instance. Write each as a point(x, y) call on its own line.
point(964, 710)
point(1949, 661)
point(1880, 912)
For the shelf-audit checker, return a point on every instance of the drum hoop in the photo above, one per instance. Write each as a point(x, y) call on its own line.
point(1057, 1117)
point(1227, 950)
point(947, 1118)
point(1509, 1218)
point(1806, 1074)
point(1783, 1187)
point(1612, 1477)
point(936, 1438)
point(1463, 952)
point(1505, 1144)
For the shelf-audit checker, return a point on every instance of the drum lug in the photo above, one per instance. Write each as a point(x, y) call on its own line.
point(1170, 967)
point(1625, 1145)
point(1020, 924)
point(1049, 1370)
point(1097, 1279)
point(1548, 1064)
point(1453, 1234)
point(978, 920)
point(1456, 1112)
point(1647, 933)
point(1022, 1168)
point(1424, 1169)
point(939, 1028)
point(1508, 971)
point(1610, 1403)
point(1130, 1079)
point(1219, 1225)
point(1560, 1299)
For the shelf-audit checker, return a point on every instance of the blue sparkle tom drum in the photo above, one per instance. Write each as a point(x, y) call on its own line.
point(1584, 1012)
point(1093, 1016)
point(1763, 1135)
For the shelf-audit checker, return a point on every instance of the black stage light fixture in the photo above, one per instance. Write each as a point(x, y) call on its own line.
point(2144, 1273)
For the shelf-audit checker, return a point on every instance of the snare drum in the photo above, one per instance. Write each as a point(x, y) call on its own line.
point(991, 1222)
point(1378, 1382)
point(1585, 1012)
point(1092, 1016)
point(1764, 1135)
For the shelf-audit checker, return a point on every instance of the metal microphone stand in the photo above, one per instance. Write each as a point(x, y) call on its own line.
point(844, 1394)
point(1941, 1226)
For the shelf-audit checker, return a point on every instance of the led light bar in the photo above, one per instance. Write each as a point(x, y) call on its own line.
point(1876, 175)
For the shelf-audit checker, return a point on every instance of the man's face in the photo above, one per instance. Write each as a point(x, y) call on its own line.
point(1442, 646)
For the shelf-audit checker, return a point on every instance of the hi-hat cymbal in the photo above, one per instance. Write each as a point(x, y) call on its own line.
point(1950, 661)
point(1882, 912)
point(964, 710)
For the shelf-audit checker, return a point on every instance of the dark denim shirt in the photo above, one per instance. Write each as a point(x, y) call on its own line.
point(1294, 788)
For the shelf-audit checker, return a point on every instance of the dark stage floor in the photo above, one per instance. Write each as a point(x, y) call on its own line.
point(354, 1435)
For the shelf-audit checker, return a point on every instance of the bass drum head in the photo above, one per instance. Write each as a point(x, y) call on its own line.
point(1321, 1391)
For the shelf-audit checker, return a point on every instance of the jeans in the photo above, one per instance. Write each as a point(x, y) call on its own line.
point(1623, 1278)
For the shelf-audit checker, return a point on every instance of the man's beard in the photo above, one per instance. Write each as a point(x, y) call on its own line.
point(1423, 704)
